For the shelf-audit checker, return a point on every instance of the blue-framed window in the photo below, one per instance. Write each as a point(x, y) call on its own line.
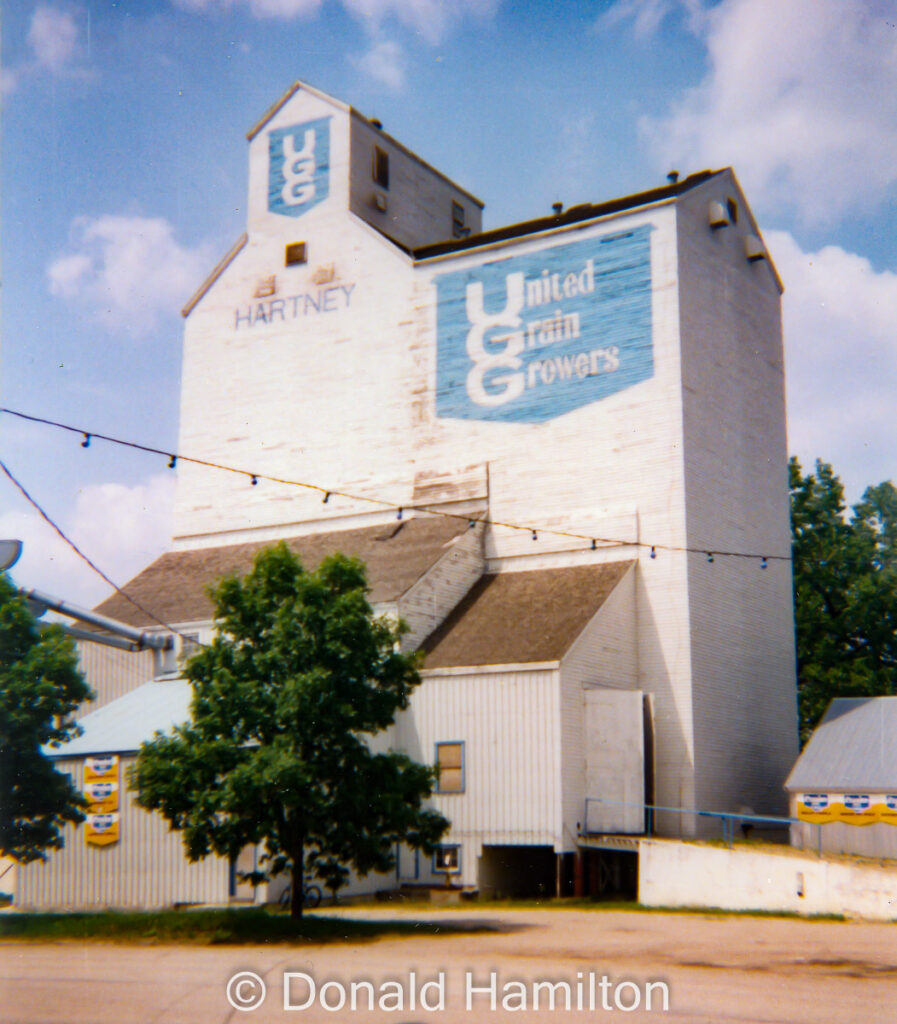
point(450, 766)
point(447, 859)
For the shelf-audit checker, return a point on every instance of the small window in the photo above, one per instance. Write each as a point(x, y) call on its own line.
point(732, 207)
point(295, 254)
point(189, 644)
point(450, 765)
point(447, 859)
point(458, 218)
point(380, 167)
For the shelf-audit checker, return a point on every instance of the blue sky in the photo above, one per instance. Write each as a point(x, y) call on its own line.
point(124, 180)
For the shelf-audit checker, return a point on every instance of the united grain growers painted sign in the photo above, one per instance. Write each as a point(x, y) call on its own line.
point(527, 338)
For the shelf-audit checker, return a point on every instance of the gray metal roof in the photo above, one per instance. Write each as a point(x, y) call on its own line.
point(854, 747)
point(122, 725)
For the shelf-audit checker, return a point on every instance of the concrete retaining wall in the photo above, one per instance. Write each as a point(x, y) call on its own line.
point(673, 874)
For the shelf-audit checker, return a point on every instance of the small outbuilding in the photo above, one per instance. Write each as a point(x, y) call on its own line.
point(843, 787)
point(123, 856)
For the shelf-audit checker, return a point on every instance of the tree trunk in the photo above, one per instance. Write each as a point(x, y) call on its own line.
point(298, 896)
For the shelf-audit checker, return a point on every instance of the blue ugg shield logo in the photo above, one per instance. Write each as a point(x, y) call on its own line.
point(298, 167)
point(528, 338)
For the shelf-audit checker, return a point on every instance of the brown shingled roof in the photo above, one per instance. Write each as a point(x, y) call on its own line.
point(518, 617)
point(174, 586)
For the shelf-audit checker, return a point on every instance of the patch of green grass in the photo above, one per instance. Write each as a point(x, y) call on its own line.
point(215, 927)
point(630, 906)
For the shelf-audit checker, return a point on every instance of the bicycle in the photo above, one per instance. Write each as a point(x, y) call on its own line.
point(311, 896)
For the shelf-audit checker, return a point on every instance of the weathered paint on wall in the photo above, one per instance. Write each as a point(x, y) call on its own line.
point(675, 874)
point(615, 760)
point(528, 338)
point(366, 344)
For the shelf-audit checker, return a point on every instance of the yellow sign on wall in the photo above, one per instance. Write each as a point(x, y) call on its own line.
point(101, 788)
point(848, 808)
point(102, 797)
point(101, 768)
point(102, 829)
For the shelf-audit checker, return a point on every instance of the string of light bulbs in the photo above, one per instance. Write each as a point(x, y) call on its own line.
point(327, 493)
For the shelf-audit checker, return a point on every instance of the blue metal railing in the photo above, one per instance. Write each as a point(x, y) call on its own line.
point(727, 819)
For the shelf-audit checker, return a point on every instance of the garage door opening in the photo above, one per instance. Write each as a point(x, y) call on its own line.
point(524, 872)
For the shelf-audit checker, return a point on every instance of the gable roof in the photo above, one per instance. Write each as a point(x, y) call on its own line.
point(852, 748)
point(122, 725)
point(518, 617)
point(175, 586)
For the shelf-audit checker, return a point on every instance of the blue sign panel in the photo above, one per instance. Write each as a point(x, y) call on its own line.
point(527, 338)
point(298, 167)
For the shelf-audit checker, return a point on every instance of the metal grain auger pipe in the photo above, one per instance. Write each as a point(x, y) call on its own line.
point(140, 639)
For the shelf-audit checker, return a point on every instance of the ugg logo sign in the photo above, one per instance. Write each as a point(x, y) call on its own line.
point(298, 167)
point(534, 336)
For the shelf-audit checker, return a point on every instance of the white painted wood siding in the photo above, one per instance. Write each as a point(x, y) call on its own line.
point(146, 868)
point(509, 723)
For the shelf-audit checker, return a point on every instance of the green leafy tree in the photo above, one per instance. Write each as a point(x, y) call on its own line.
point(299, 677)
point(40, 688)
point(845, 591)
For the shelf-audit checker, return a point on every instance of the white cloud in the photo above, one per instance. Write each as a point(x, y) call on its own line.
point(841, 360)
point(53, 46)
point(800, 97)
point(128, 270)
point(121, 529)
point(53, 37)
point(384, 63)
point(430, 19)
point(283, 9)
point(648, 15)
point(9, 81)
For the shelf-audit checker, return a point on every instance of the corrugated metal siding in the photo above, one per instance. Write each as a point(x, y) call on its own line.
point(510, 725)
point(146, 868)
point(111, 673)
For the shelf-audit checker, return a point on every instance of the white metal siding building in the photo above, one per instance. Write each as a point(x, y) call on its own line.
point(610, 378)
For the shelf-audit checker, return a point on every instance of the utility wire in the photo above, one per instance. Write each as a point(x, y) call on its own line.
point(254, 478)
point(84, 558)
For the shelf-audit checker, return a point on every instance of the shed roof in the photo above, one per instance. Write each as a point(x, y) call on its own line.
point(518, 617)
point(122, 725)
point(852, 748)
point(175, 586)
point(573, 215)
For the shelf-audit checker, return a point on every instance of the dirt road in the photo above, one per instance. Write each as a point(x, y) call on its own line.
point(592, 965)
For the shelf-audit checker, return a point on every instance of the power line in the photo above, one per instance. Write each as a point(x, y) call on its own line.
point(47, 518)
point(254, 477)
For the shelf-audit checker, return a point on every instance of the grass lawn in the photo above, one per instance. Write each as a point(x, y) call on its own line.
point(256, 925)
point(213, 927)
